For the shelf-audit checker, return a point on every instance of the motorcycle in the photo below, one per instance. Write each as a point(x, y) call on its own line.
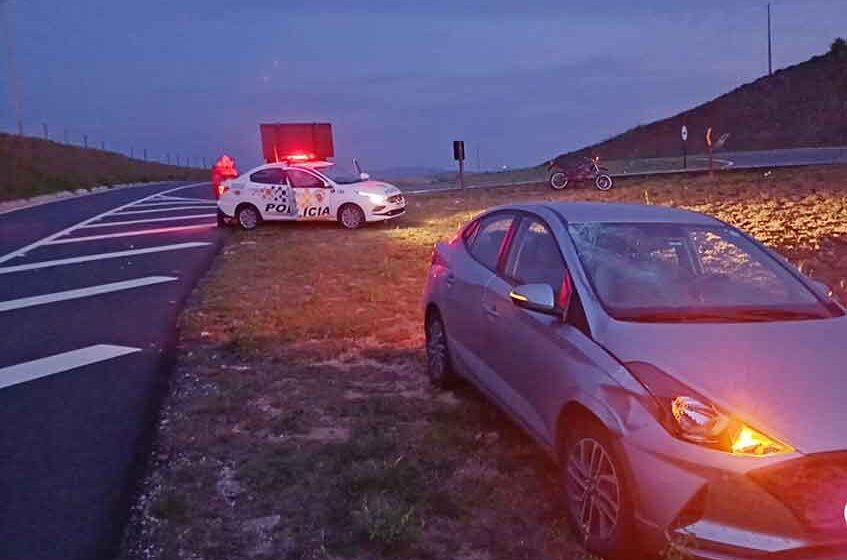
point(560, 178)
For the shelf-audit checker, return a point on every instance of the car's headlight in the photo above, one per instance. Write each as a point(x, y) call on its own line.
point(375, 198)
point(691, 417)
point(700, 422)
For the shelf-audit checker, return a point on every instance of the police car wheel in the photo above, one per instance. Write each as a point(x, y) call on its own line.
point(351, 216)
point(248, 217)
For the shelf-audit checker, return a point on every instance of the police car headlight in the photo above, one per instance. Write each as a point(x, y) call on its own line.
point(375, 198)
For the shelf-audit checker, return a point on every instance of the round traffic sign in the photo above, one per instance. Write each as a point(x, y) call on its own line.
point(684, 133)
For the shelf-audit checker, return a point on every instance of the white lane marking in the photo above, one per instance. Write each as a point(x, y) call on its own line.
point(133, 233)
point(101, 256)
point(182, 198)
point(149, 220)
point(166, 203)
point(58, 363)
point(23, 250)
point(20, 303)
point(128, 212)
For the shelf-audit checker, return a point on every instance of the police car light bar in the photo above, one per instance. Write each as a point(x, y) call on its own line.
point(299, 157)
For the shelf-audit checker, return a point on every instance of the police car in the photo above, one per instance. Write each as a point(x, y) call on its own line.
point(299, 191)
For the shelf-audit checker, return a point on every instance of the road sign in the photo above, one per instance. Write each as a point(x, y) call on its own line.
point(684, 133)
point(459, 155)
point(458, 150)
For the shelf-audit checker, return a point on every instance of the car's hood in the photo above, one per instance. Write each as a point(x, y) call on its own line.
point(376, 187)
point(788, 379)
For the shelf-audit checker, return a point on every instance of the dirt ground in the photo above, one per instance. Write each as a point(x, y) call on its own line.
point(299, 424)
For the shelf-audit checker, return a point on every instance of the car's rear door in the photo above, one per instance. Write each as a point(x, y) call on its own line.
point(270, 191)
point(468, 274)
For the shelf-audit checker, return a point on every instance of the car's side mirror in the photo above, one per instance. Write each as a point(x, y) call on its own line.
point(535, 297)
point(541, 297)
point(364, 176)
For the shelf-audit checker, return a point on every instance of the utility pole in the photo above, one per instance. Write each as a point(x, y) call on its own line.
point(85, 140)
point(145, 154)
point(770, 43)
point(44, 128)
point(11, 68)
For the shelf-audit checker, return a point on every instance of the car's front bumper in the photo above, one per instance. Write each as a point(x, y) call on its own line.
point(387, 212)
point(716, 506)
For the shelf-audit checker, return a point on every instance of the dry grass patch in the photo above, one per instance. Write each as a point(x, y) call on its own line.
point(300, 425)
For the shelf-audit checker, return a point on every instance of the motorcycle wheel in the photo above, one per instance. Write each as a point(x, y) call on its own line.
point(559, 181)
point(603, 182)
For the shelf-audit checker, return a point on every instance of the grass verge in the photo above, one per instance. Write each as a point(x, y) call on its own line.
point(299, 424)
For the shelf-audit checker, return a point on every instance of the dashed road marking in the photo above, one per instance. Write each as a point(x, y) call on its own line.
point(149, 220)
point(133, 233)
point(102, 256)
point(20, 303)
point(58, 363)
point(150, 211)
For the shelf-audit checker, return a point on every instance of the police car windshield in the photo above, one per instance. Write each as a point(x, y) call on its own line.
point(340, 176)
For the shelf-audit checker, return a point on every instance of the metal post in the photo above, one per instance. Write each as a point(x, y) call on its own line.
point(85, 140)
point(169, 158)
point(145, 154)
point(461, 174)
point(44, 128)
point(770, 49)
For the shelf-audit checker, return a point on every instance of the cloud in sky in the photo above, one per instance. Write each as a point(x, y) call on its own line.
point(399, 80)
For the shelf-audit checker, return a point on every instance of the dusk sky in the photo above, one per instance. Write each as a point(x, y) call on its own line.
point(519, 80)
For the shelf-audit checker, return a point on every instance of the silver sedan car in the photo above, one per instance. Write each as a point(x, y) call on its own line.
point(691, 384)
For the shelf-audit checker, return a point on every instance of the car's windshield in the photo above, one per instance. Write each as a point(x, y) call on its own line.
point(680, 272)
point(340, 175)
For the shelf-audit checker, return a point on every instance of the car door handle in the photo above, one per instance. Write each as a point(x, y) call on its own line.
point(491, 311)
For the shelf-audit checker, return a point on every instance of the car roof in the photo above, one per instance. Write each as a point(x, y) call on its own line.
point(614, 212)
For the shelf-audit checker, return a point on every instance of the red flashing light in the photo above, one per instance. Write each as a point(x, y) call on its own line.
point(299, 157)
point(222, 189)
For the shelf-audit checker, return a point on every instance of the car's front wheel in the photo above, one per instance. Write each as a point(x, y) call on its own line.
point(351, 216)
point(599, 506)
point(248, 217)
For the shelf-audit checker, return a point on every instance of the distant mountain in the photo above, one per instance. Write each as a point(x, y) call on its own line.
point(32, 166)
point(800, 106)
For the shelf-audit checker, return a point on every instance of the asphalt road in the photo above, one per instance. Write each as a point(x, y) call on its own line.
point(90, 290)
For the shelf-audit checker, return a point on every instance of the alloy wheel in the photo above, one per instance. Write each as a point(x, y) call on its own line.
point(351, 217)
point(594, 492)
point(248, 218)
point(436, 350)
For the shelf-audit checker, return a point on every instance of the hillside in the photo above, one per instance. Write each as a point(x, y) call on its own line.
point(800, 106)
point(32, 166)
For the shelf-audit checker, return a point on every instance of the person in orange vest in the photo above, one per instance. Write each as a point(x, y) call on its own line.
point(223, 169)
